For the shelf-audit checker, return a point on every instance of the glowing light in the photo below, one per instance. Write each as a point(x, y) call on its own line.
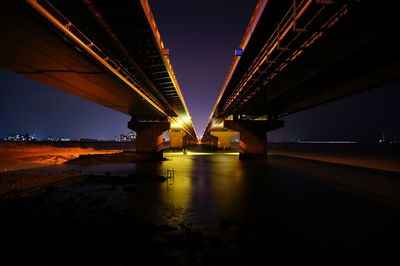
point(186, 119)
point(217, 125)
point(176, 124)
point(238, 52)
point(180, 122)
point(201, 153)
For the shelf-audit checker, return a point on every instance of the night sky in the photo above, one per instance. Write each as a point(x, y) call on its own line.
point(202, 36)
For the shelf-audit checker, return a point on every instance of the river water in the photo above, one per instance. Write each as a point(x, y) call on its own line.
point(217, 210)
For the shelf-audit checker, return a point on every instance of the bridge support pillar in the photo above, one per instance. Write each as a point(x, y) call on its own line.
point(213, 142)
point(210, 141)
point(253, 136)
point(224, 138)
point(149, 137)
point(177, 138)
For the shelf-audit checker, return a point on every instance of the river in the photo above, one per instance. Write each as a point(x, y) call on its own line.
point(217, 210)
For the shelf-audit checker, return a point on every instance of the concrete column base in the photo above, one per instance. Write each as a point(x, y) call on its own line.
point(176, 138)
point(213, 142)
point(209, 142)
point(149, 137)
point(253, 144)
point(253, 136)
point(224, 138)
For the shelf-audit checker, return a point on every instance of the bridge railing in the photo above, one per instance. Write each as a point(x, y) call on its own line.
point(164, 51)
point(53, 15)
point(273, 44)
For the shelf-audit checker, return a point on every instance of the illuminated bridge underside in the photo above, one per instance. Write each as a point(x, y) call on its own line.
point(332, 49)
point(108, 52)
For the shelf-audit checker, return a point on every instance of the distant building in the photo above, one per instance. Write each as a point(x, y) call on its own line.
point(131, 136)
point(53, 139)
point(383, 139)
point(21, 137)
point(58, 139)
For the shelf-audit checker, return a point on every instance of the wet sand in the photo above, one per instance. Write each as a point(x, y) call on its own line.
point(18, 156)
point(24, 165)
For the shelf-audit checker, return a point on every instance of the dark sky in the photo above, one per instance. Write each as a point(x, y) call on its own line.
point(361, 117)
point(27, 106)
point(202, 36)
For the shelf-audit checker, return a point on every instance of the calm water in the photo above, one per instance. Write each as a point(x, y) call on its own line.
point(276, 194)
point(278, 210)
point(210, 185)
point(216, 185)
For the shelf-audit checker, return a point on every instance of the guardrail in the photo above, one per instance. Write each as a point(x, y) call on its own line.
point(55, 17)
point(288, 24)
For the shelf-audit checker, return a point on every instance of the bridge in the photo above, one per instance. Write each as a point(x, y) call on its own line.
point(107, 52)
point(298, 54)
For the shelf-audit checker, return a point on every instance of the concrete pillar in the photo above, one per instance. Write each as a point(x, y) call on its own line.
point(213, 141)
point(253, 136)
point(176, 137)
point(253, 144)
point(188, 140)
point(149, 137)
point(224, 138)
point(210, 141)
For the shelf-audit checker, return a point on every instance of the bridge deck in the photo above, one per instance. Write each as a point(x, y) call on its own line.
point(327, 52)
point(108, 53)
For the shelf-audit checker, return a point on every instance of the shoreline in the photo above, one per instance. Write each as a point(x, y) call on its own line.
point(33, 167)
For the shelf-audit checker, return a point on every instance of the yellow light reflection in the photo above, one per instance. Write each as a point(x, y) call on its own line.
point(178, 193)
point(201, 153)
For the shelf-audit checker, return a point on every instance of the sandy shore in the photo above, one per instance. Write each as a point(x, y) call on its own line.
point(19, 156)
point(19, 161)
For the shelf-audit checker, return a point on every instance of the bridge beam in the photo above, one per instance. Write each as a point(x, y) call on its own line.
point(224, 138)
point(149, 137)
point(253, 136)
point(176, 138)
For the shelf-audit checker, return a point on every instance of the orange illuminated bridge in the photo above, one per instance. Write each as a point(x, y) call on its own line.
point(108, 52)
point(299, 54)
point(294, 55)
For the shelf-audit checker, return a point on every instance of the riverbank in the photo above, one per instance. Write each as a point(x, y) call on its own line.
point(384, 157)
point(19, 156)
point(26, 168)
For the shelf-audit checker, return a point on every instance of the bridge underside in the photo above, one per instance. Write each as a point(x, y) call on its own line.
point(358, 53)
point(30, 48)
point(105, 52)
point(297, 59)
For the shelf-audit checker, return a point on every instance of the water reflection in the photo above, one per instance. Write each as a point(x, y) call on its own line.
point(212, 184)
point(180, 191)
point(218, 207)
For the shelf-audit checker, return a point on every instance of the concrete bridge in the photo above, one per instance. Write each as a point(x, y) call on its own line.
point(108, 52)
point(297, 54)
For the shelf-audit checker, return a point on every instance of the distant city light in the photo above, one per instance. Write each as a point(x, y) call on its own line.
point(21, 137)
point(53, 139)
point(131, 136)
point(327, 141)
